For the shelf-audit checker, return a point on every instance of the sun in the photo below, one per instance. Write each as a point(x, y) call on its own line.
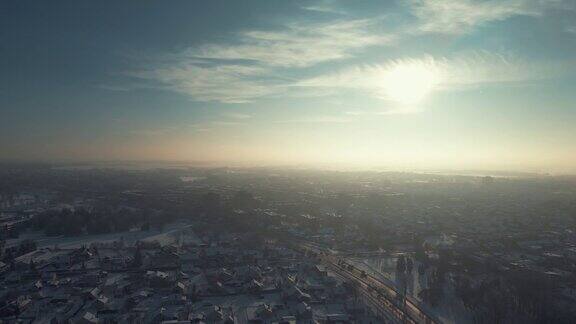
point(409, 82)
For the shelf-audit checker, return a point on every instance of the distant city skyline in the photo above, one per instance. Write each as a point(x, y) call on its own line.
point(407, 84)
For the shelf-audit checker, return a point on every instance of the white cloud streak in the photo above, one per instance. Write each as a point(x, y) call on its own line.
point(324, 6)
point(464, 71)
point(298, 45)
point(327, 119)
point(234, 115)
point(223, 83)
point(254, 65)
point(462, 16)
point(247, 70)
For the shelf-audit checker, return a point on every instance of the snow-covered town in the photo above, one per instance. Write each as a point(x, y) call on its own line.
point(198, 245)
point(180, 278)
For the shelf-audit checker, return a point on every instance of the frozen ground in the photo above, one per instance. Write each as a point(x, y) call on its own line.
point(167, 235)
point(450, 308)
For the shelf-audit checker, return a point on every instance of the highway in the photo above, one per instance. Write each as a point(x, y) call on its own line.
point(383, 298)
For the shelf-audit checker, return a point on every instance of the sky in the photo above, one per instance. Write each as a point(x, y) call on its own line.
point(406, 84)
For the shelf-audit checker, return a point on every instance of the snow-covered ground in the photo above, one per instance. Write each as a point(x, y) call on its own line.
point(167, 235)
point(450, 309)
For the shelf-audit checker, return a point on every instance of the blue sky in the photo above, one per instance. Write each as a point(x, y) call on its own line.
point(391, 84)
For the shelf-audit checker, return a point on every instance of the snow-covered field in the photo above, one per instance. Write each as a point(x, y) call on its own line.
point(167, 235)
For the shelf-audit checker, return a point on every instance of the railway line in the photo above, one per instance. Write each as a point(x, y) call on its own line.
point(385, 299)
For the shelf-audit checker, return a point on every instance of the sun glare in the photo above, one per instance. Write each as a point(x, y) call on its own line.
point(409, 83)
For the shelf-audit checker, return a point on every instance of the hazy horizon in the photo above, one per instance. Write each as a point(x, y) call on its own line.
point(191, 164)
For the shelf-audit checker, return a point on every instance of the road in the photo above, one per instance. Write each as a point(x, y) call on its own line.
point(385, 299)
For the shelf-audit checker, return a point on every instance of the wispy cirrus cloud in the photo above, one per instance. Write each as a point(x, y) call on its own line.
point(219, 124)
point(228, 83)
point(296, 45)
point(462, 16)
point(249, 68)
point(449, 73)
point(323, 119)
point(235, 115)
point(225, 123)
point(324, 6)
point(267, 63)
